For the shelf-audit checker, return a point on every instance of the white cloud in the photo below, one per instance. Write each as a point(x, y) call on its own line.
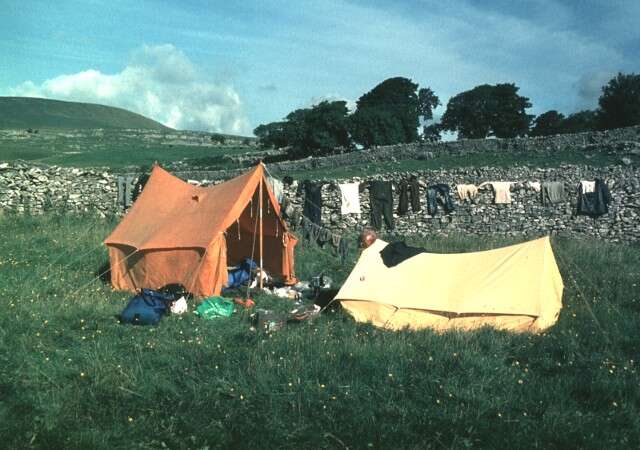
point(159, 82)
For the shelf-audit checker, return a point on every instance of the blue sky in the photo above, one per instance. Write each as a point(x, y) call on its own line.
point(229, 66)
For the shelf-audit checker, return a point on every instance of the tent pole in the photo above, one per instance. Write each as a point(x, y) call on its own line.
point(260, 202)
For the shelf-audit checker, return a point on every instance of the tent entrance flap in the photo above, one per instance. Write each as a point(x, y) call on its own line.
point(243, 240)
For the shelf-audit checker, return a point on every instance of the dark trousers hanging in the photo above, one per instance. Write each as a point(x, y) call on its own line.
point(414, 189)
point(381, 199)
point(403, 198)
point(441, 191)
point(313, 202)
point(408, 190)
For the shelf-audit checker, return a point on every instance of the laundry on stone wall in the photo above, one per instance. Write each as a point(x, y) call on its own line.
point(467, 191)
point(409, 194)
point(439, 195)
point(381, 198)
point(501, 191)
point(552, 192)
point(350, 198)
point(593, 198)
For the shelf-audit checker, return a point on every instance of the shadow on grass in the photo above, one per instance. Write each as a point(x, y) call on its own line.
point(104, 272)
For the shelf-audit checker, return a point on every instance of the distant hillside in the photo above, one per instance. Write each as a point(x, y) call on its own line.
point(28, 112)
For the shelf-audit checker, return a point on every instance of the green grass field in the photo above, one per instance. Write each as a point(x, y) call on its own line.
point(119, 150)
point(71, 377)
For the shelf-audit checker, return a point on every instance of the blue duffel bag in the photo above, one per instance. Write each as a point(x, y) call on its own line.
point(146, 308)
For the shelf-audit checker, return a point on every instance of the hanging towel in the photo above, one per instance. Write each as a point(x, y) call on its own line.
point(350, 198)
point(535, 185)
point(501, 191)
point(588, 186)
point(552, 192)
point(466, 191)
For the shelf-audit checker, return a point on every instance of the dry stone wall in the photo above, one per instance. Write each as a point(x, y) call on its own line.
point(25, 188)
point(36, 189)
point(622, 142)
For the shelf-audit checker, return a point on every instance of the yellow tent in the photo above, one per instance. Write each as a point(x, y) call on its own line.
point(516, 288)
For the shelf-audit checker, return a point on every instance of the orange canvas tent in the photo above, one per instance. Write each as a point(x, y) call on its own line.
point(179, 233)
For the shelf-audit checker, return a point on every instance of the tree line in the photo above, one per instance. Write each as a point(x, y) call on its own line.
point(394, 110)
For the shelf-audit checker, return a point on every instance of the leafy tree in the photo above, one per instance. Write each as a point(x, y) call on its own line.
point(431, 133)
point(318, 130)
point(272, 135)
point(488, 110)
point(427, 102)
point(580, 121)
point(620, 102)
point(548, 123)
point(374, 126)
point(393, 107)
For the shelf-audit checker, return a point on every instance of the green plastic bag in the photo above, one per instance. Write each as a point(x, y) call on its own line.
point(214, 307)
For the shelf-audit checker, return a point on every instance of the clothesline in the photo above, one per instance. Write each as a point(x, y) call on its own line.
point(551, 193)
point(305, 217)
point(339, 243)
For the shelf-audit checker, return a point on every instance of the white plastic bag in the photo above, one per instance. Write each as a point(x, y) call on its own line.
point(179, 306)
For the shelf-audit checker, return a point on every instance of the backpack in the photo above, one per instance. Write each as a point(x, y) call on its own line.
point(146, 308)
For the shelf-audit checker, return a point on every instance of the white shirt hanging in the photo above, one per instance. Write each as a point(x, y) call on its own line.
point(350, 198)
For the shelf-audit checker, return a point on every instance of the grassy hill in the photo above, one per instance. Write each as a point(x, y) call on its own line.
point(27, 112)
